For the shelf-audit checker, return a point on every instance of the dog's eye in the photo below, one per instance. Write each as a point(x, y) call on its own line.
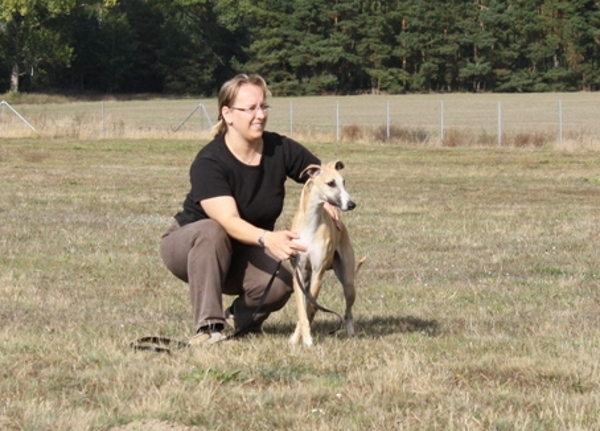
point(331, 183)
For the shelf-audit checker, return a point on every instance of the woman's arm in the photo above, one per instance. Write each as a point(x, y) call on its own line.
point(223, 209)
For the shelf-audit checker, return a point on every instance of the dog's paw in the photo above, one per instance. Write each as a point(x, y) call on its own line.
point(294, 339)
point(350, 328)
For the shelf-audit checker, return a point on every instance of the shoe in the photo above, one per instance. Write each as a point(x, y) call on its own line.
point(255, 328)
point(207, 336)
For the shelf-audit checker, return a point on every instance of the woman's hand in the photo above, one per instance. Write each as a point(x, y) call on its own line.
point(282, 244)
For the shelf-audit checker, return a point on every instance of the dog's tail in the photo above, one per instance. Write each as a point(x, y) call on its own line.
point(360, 263)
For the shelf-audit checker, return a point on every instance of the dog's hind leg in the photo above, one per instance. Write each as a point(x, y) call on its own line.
point(343, 266)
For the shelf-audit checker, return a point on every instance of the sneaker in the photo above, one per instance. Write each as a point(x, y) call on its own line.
point(207, 338)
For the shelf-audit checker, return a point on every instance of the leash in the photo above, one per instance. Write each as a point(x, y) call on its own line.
point(318, 306)
point(158, 344)
point(165, 345)
point(241, 331)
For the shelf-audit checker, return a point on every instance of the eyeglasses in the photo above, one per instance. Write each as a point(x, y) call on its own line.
point(264, 108)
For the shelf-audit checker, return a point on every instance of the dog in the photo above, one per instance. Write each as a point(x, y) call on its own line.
point(328, 245)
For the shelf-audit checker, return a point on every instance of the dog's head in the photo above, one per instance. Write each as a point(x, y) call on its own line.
point(329, 184)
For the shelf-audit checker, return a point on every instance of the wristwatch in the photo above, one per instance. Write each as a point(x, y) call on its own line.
point(261, 239)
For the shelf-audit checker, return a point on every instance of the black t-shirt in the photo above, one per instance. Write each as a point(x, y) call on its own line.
point(258, 191)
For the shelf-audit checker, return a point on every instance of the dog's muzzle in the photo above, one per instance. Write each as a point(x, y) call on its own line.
point(349, 206)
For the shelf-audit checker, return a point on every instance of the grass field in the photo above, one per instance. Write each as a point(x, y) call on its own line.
point(478, 307)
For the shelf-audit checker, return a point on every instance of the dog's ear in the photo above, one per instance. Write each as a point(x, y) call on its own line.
point(338, 165)
point(310, 171)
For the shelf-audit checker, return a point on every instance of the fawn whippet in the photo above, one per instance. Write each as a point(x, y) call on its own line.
point(328, 245)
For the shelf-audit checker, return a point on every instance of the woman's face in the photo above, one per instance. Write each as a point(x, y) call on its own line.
point(247, 114)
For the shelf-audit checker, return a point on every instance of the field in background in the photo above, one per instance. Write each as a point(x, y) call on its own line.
point(468, 119)
point(478, 307)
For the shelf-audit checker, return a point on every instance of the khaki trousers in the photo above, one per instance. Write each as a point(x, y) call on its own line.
point(213, 264)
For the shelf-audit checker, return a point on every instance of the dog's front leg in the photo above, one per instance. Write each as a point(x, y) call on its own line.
point(302, 331)
point(316, 281)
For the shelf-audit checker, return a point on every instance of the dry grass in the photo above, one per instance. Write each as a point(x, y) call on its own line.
point(478, 307)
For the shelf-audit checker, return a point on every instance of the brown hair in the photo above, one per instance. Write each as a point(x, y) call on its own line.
point(228, 93)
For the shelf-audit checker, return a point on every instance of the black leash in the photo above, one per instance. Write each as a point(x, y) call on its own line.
point(165, 345)
point(314, 302)
point(241, 331)
point(158, 344)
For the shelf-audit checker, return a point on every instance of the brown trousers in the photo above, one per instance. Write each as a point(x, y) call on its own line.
point(213, 264)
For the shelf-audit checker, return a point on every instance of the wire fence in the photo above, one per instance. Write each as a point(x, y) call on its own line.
point(433, 117)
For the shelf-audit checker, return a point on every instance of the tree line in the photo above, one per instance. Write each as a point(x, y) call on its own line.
point(300, 46)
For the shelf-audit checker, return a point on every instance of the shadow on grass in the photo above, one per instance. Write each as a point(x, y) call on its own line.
point(380, 326)
point(373, 327)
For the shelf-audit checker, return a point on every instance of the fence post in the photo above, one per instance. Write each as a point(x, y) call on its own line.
point(441, 120)
point(102, 128)
point(5, 103)
point(560, 122)
point(337, 121)
point(499, 123)
point(291, 120)
point(203, 109)
point(387, 121)
point(210, 124)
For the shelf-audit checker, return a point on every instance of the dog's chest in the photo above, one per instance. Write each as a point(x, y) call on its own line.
point(318, 245)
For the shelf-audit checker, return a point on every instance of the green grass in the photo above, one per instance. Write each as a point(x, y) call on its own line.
point(478, 306)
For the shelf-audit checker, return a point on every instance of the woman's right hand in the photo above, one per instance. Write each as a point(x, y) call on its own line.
point(283, 244)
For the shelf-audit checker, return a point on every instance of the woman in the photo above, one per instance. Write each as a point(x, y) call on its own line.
point(223, 241)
